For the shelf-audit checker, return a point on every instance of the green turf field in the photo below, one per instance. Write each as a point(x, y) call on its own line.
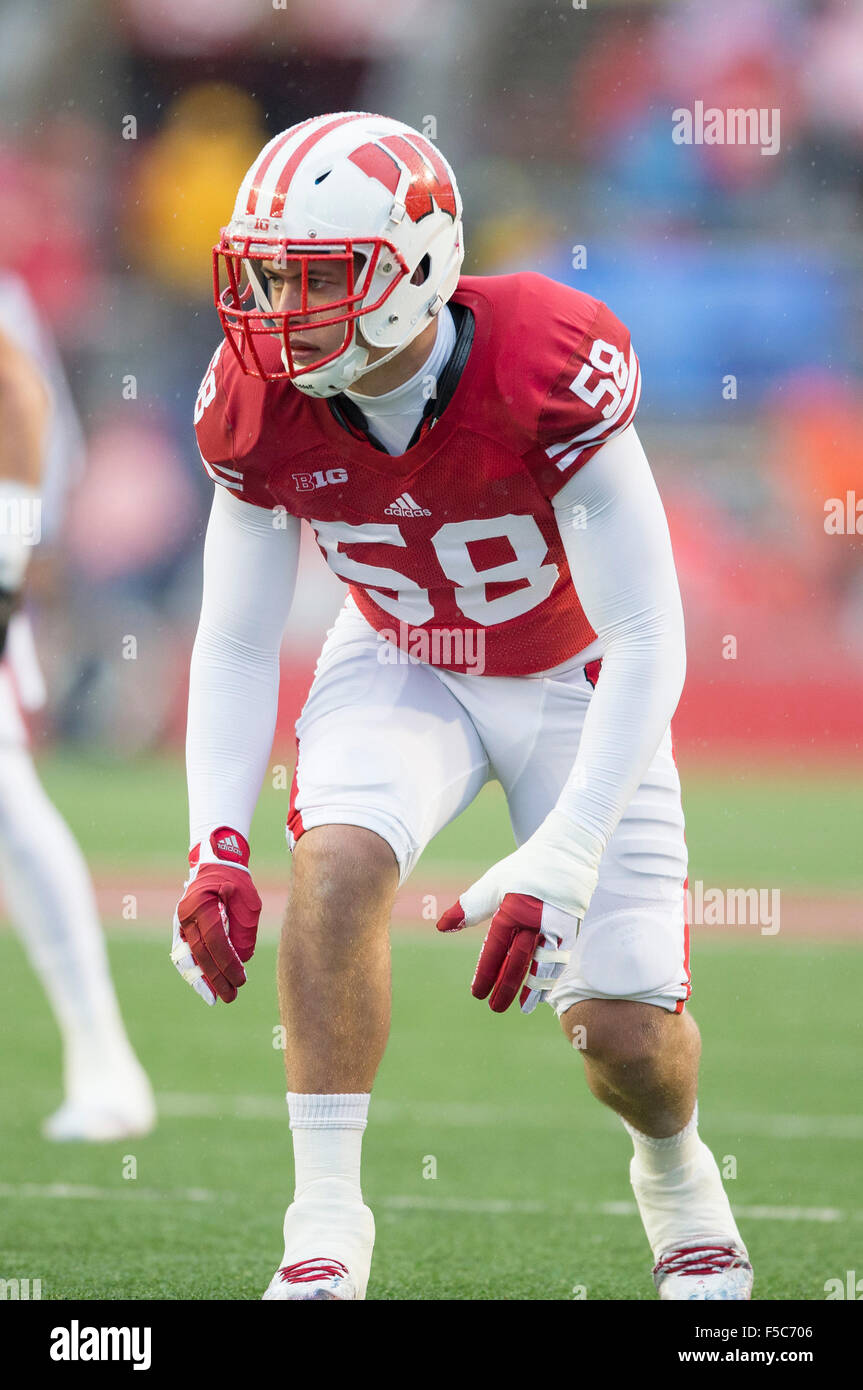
point(526, 1160)
point(531, 1197)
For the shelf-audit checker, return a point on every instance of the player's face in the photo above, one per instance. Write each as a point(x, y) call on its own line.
point(327, 282)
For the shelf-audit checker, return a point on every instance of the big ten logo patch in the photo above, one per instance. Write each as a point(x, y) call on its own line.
point(307, 482)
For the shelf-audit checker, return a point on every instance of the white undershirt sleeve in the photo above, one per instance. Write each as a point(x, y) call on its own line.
point(615, 535)
point(250, 567)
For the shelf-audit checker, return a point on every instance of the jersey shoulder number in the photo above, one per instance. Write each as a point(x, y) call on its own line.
point(593, 397)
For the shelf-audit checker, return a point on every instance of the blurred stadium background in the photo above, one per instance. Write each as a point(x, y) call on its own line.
point(126, 127)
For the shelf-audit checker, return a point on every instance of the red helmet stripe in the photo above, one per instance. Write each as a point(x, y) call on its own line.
point(379, 164)
point(284, 182)
point(267, 159)
point(444, 193)
point(423, 187)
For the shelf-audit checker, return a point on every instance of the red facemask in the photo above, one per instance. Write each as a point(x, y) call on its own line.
point(244, 322)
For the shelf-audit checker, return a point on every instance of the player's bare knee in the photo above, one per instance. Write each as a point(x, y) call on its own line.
point(617, 1033)
point(342, 873)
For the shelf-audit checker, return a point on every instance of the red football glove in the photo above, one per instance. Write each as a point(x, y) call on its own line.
point(536, 898)
point(216, 921)
point(508, 949)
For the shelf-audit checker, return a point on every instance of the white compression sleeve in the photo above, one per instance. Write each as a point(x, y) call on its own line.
point(615, 535)
point(250, 568)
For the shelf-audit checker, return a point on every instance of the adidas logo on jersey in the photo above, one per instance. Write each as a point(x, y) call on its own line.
point(406, 506)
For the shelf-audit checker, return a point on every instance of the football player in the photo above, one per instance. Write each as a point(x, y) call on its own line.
point(463, 449)
point(49, 894)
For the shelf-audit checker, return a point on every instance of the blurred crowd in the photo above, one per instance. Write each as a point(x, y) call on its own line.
point(128, 124)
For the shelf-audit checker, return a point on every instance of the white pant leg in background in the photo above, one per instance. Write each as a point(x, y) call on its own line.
point(50, 901)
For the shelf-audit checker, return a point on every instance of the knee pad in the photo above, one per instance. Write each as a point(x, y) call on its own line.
point(633, 951)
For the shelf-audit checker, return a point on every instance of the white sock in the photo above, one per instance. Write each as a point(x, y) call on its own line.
point(656, 1156)
point(328, 1137)
point(679, 1190)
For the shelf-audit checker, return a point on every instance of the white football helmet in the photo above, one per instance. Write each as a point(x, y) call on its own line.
point(368, 191)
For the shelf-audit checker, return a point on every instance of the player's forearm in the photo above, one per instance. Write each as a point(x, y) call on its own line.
point(620, 556)
point(233, 699)
point(635, 698)
point(249, 573)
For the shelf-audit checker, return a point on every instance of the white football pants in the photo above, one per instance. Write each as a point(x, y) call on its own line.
point(402, 748)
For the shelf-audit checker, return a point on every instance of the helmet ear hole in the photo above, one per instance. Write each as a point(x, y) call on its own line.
point(421, 274)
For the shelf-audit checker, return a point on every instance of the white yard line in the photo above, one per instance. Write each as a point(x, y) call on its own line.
point(469, 1114)
point(470, 1206)
point(502, 1207)
point(722, 1126)
point(129, 1192)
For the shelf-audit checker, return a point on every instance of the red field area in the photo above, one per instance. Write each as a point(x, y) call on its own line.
point(810, 715)
point(826, 917)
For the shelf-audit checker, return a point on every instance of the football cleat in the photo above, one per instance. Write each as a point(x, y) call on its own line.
point(123, 1108)
point(311, 1279)
point(329, 1238)
point(704, 1272)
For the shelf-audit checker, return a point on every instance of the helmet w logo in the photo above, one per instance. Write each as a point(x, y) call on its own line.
point(387, 160)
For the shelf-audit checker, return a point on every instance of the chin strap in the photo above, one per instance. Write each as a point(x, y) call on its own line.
point(329, 386)
point(336, 377)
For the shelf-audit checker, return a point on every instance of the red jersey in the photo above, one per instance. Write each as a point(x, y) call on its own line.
point(456, 538)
